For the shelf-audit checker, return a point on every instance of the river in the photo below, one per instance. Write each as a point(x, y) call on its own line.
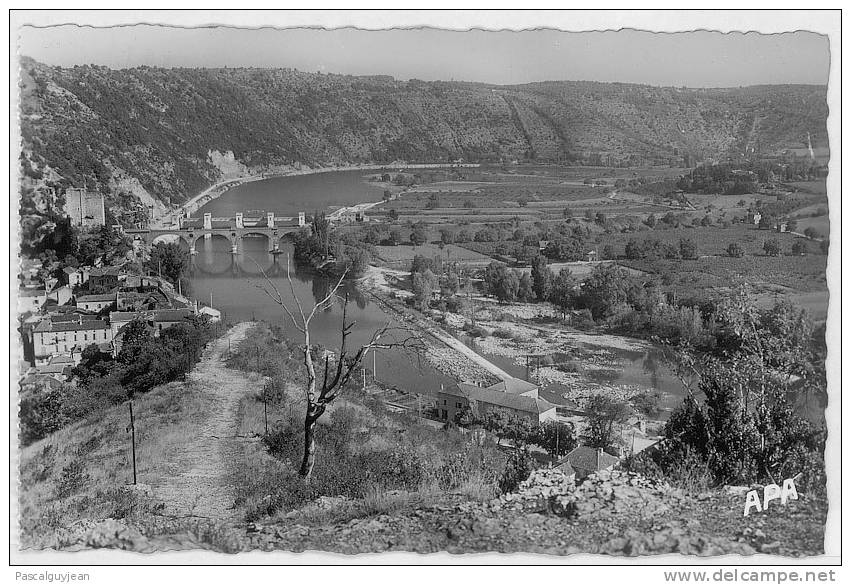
point(286, 196)
point(236, 284)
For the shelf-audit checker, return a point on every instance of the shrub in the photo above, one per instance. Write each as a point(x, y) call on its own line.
point(734, 250)
point(395, 469)
point(517, 470)
point(452, 472)
point(71, 479)
point(771, 247)
point(503, 333)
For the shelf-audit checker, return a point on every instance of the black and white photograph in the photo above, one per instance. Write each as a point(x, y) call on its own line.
point(468, 287)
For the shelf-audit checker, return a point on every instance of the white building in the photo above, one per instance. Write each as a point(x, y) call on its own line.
point(67, 337)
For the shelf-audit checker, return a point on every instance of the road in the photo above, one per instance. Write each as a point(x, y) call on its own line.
point(203, 488)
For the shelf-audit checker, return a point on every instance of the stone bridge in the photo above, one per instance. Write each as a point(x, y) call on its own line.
point(232, 228)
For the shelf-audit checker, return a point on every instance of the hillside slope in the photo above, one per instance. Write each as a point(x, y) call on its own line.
point(186, 446)
point(163, 128)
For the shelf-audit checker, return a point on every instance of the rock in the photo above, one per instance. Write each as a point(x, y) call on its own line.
point(111, 533)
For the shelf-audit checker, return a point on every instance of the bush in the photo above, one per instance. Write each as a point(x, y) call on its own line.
point(41, 413)
point(734, 250)
point(503, 333)
point(517, 470)
point(452, 472)
point(394, 469)
point(71, 479)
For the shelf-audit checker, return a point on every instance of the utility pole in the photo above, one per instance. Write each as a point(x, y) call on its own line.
point(265, 412)
point(374, 370)
point(132, 430)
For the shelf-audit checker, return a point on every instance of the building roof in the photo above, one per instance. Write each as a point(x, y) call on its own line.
point(589, 458)
point(69, 270)
point(95, 298)
point(63, 369)
point(156, 315)
point(69, 316)
point(46, 326)
point(31, 292)
point(125, 315)
point(528, 404)
point(513, 386)
point(36, 378)
point(565, 467)
point(171, 315)
point(106, 271)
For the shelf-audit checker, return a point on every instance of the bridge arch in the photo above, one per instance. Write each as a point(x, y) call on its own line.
point(178, 237)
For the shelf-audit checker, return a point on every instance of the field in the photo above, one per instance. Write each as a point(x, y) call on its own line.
point(404, 254)
point(710, 241)
point(513, 198)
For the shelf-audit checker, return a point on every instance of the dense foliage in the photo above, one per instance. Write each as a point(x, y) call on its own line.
point(738, 423)
point(101, 381)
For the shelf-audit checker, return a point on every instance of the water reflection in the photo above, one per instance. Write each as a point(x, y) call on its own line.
point(243, 286)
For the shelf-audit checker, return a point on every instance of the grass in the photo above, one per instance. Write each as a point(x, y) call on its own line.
point(84, 471)
point(369, 460)
point(405, 253)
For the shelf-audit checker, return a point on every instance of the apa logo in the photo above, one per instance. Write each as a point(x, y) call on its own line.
point(771, 492)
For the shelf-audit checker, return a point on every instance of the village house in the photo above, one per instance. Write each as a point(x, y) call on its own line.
point(566, 468)
point(61, 295)
point(75, 276)
point(165, 318)
point(95, 303)
point(51, 338)
point(513, 396)
point(31, 300)
point(105, 278)
point(158, 320)
point(139, 301)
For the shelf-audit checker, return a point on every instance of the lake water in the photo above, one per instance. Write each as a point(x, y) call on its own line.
point(286, 196)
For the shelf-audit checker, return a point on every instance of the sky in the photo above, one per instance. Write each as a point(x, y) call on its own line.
point(692, 59)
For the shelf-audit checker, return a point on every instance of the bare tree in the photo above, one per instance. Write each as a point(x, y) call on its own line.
point(336, 376)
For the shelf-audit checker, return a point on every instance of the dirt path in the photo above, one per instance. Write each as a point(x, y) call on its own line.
point(203, 488)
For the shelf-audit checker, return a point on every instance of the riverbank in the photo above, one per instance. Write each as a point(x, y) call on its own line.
point(446, 353)
point(523, 339)
point(218, 189)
